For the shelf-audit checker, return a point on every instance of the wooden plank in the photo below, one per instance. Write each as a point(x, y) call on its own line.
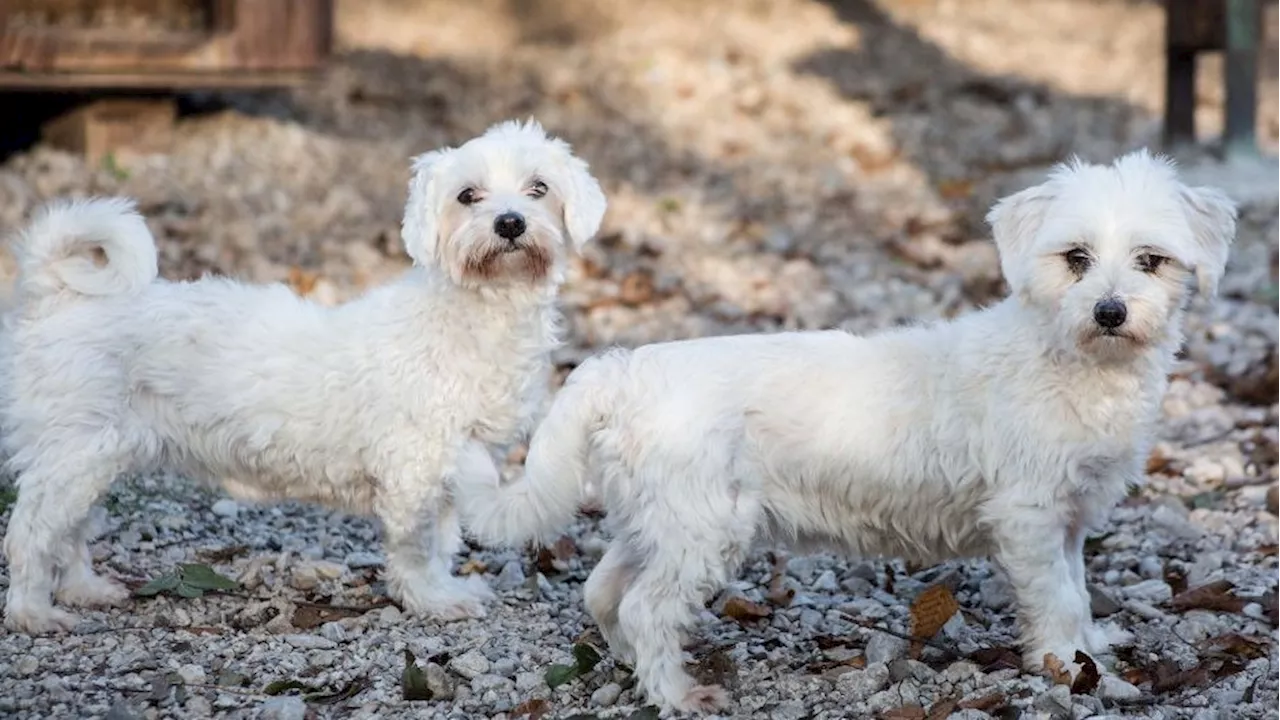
point(277, 35)
point(107, 126)
point(154, 80)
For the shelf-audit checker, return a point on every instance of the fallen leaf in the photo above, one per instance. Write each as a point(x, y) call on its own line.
point(312, 615)
point(555, 559)
point(906, 712)
point(533, 708)
point(997, 658)
point(637, 288)
point(931, 610)
point(1267, 550)
point(301, 281)
point(230, 678)
point(559, 674)
point(1238, 645)
point(1056, 670)
point(888, 578)
point(203, 577)
point(1089, 677)
point(779, 594)
point(164, 583)
point(1213, 596)
point(585, 658)
point(985, 703)
point(1158, 463)
point(413, 682)
point(472, 567)
point(942, 709)
point(957, 189)
point(1176, 579)
point(1167, 676)
point(743, 610)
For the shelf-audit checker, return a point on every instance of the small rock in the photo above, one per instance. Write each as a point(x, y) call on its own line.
point(505, 667)
point(438, 681)
point(121, 711)
point(863, 683)
point(1175, 520)
point(283, 708)
point(470, 664)
point(1114, 688)
point(511, 576)
point(1101, 603)
point(1056, 701)
point(995, 592)
point(303, 576)
point(606, 694)
point(390, 615)
point(960, 671)
point(884, 648)
point(1151, 567)
point(1150, 591)
point(789, 710)
point(485, 682)
point(826, 582)
point(358, 560)
point(328, 570)
point(310, 642)
point(192, 674)
point(226, 508)
point(333, 632)
point(26, 665)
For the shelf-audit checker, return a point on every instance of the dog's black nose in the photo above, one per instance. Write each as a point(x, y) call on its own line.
point(509, 225)
point(1110, 313)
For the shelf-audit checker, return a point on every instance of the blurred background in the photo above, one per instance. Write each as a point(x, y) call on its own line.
point(770, 163)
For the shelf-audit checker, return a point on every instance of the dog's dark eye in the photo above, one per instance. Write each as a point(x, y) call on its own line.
point(1078, 260)
point(467, 197)
point(1150, 262)
point(537, 189)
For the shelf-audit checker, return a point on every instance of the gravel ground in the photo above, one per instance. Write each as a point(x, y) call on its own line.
point(790, 164)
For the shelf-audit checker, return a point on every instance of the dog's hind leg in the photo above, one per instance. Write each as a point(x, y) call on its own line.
point(45, 538)
point(604, 590)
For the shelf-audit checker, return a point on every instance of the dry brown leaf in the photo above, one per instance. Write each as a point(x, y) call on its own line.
point(1158, 463)
point(1056, 670)
point(743, 610)
point(312, 615)
point(1267, 550)
point(942, 709)
point(958, 189)
point(888, 578)
point(931, 610)
point(779, 594)
point(997, 658)
point(637, 288)
point(472, 567)
point(985, 703)
point(301, 281)
point(533, 708)
point(1213, 596)
point(1237, 645)
point(1089, 677)
point(555, 559)
point(906, 712)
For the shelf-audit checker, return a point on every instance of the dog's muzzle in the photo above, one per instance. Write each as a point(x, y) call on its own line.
point(1110, 313)
point(509, 225)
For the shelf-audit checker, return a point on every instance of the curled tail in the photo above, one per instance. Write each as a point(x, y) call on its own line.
point(89, 247)
point(539, 505)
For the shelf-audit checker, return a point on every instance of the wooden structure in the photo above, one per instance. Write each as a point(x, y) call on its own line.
point(1230, 26)
point(168, 44)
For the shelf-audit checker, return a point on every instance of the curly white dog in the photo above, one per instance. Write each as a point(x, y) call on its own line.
point(363, 407)
point(1006, 433)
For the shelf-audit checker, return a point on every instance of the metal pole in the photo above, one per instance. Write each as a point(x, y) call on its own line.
point(1241, 78)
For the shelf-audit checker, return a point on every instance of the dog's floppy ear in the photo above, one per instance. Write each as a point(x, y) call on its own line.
point(1015, 220)
point(419, 230)
point(1211, 215)
point(584, 201)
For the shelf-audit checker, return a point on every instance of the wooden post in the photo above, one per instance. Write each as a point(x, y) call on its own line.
point(1241, 77)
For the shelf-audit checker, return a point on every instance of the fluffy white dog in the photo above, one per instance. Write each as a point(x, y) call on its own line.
point(1006, 433)
point(364, 407)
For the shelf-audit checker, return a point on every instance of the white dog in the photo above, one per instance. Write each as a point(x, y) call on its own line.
point(363, 407)
point(1006, 433)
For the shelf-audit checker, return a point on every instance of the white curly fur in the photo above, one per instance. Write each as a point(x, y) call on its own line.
point(1007, 433)
point(365, 407)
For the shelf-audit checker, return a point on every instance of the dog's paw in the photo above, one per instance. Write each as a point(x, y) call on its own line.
point(704, 699)
point(478, 589)
point(95, 591)
point(1103, 636)
point(46, 620)
point(456, 609)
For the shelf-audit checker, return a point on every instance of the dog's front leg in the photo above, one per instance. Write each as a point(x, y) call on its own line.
point(1099, 636)
point(1053, 612)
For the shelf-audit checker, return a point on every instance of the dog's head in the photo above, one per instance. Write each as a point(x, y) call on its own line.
point(1106, 252)
point(506, 207)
